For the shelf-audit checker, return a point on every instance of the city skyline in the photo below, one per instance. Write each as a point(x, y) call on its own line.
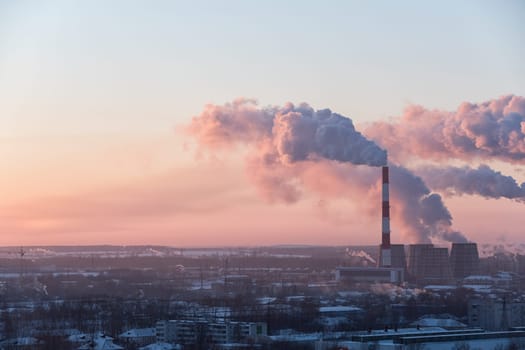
point(96, 100)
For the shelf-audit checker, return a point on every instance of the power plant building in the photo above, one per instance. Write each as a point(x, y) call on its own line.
point(425, 264)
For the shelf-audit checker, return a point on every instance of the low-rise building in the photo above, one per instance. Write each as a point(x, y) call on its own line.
point(370, 274)
point(196, 332)
point(496, 313)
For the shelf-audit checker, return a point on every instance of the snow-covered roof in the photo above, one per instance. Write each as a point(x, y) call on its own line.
point(138, 333)
point(350, 294)
point(339, 308)
point(437, 287)
point(100, 342)
point(438, 322)
point(78, 337)
point(294, 297)
point(161, 346)
point(405, 330)
point(480, 288)
point(505, 275)
point(20, 341)
point(478, 278)
point(299, 337)
point(266, 300)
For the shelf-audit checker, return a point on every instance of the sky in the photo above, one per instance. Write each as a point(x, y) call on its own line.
point(95, 97)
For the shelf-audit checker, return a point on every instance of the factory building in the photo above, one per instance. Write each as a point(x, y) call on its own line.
point(434, 338)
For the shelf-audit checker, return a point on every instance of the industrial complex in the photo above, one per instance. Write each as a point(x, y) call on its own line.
point(418, 263)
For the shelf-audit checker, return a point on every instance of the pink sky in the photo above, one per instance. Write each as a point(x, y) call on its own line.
point(156, 190)
point(93, 96)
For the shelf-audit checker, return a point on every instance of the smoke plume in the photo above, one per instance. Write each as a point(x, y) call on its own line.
point(420, 214)
point(490, 130)
point(482, 181)
point(295, 133)
point(295, 148)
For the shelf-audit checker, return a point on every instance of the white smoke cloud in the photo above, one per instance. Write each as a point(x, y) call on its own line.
point(490, 130)
point(289, 133)
point(482, 181)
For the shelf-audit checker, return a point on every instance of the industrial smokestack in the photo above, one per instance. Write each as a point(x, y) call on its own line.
point(385, 251)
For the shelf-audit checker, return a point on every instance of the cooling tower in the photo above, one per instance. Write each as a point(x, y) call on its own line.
point(398, 256)
point(437, 266)
point(464, 259)
point(416, 259)
point(428, 264)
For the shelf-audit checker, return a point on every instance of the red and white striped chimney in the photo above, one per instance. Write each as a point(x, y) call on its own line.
point(386, 254)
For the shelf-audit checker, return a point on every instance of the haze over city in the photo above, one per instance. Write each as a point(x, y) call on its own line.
point(208, 124)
